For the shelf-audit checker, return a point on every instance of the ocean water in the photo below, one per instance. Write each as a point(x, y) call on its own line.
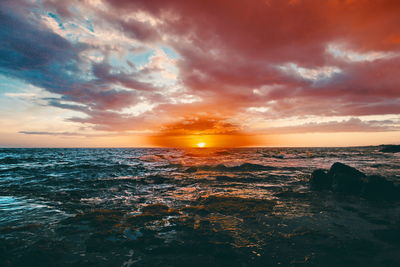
point(199, 207)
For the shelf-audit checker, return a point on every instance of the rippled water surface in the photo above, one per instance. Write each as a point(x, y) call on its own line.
point(200, 207)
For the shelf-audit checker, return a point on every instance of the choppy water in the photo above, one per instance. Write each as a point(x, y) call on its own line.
point(200, 207)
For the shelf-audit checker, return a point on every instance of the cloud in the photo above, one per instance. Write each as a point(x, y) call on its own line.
point(229, 50)
point(34, 53)
point(350, 125)
point(71, 134)
point(263, 60)
point(200, 126)
point(52, 133)
point(21, 95)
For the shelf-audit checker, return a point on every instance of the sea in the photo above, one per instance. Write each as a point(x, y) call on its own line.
point(191, 207)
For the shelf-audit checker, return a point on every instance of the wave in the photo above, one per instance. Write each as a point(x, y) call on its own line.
point(19, 160)
point(222, 168)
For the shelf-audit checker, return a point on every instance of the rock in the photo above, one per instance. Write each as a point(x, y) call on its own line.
point(338, 167)
point(320, 180)
point(346, 179)
point(390, 148)
point(340, 178)
point(378, 188)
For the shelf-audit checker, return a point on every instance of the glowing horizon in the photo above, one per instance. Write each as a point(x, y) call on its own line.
point(201, 144)
point(120, 73)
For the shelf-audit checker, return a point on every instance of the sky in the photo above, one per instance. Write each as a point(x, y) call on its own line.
point(176, 73)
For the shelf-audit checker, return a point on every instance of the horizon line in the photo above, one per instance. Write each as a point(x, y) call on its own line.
point(199, 148)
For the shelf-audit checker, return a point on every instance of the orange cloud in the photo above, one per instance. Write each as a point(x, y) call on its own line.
point(212, 131)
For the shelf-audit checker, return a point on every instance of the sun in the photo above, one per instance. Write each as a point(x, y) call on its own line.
point(201, 144)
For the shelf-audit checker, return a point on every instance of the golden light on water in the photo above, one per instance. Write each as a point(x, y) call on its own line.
point(201, 144)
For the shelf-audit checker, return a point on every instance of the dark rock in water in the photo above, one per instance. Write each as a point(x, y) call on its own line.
point(347, 184)
point(339, 178)
point(378, 188)
point(390, 148)
point(346, 179)
point(320, 180)
point(338, 167)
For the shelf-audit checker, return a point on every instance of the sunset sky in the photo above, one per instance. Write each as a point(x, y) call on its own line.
point(105, 73)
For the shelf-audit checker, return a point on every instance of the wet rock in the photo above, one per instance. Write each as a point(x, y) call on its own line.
point(320, 180)
point(390, 148)
point(378, 188)
point(346, 179)
point(339, 178)
point(347, 184)
point(338, 167)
